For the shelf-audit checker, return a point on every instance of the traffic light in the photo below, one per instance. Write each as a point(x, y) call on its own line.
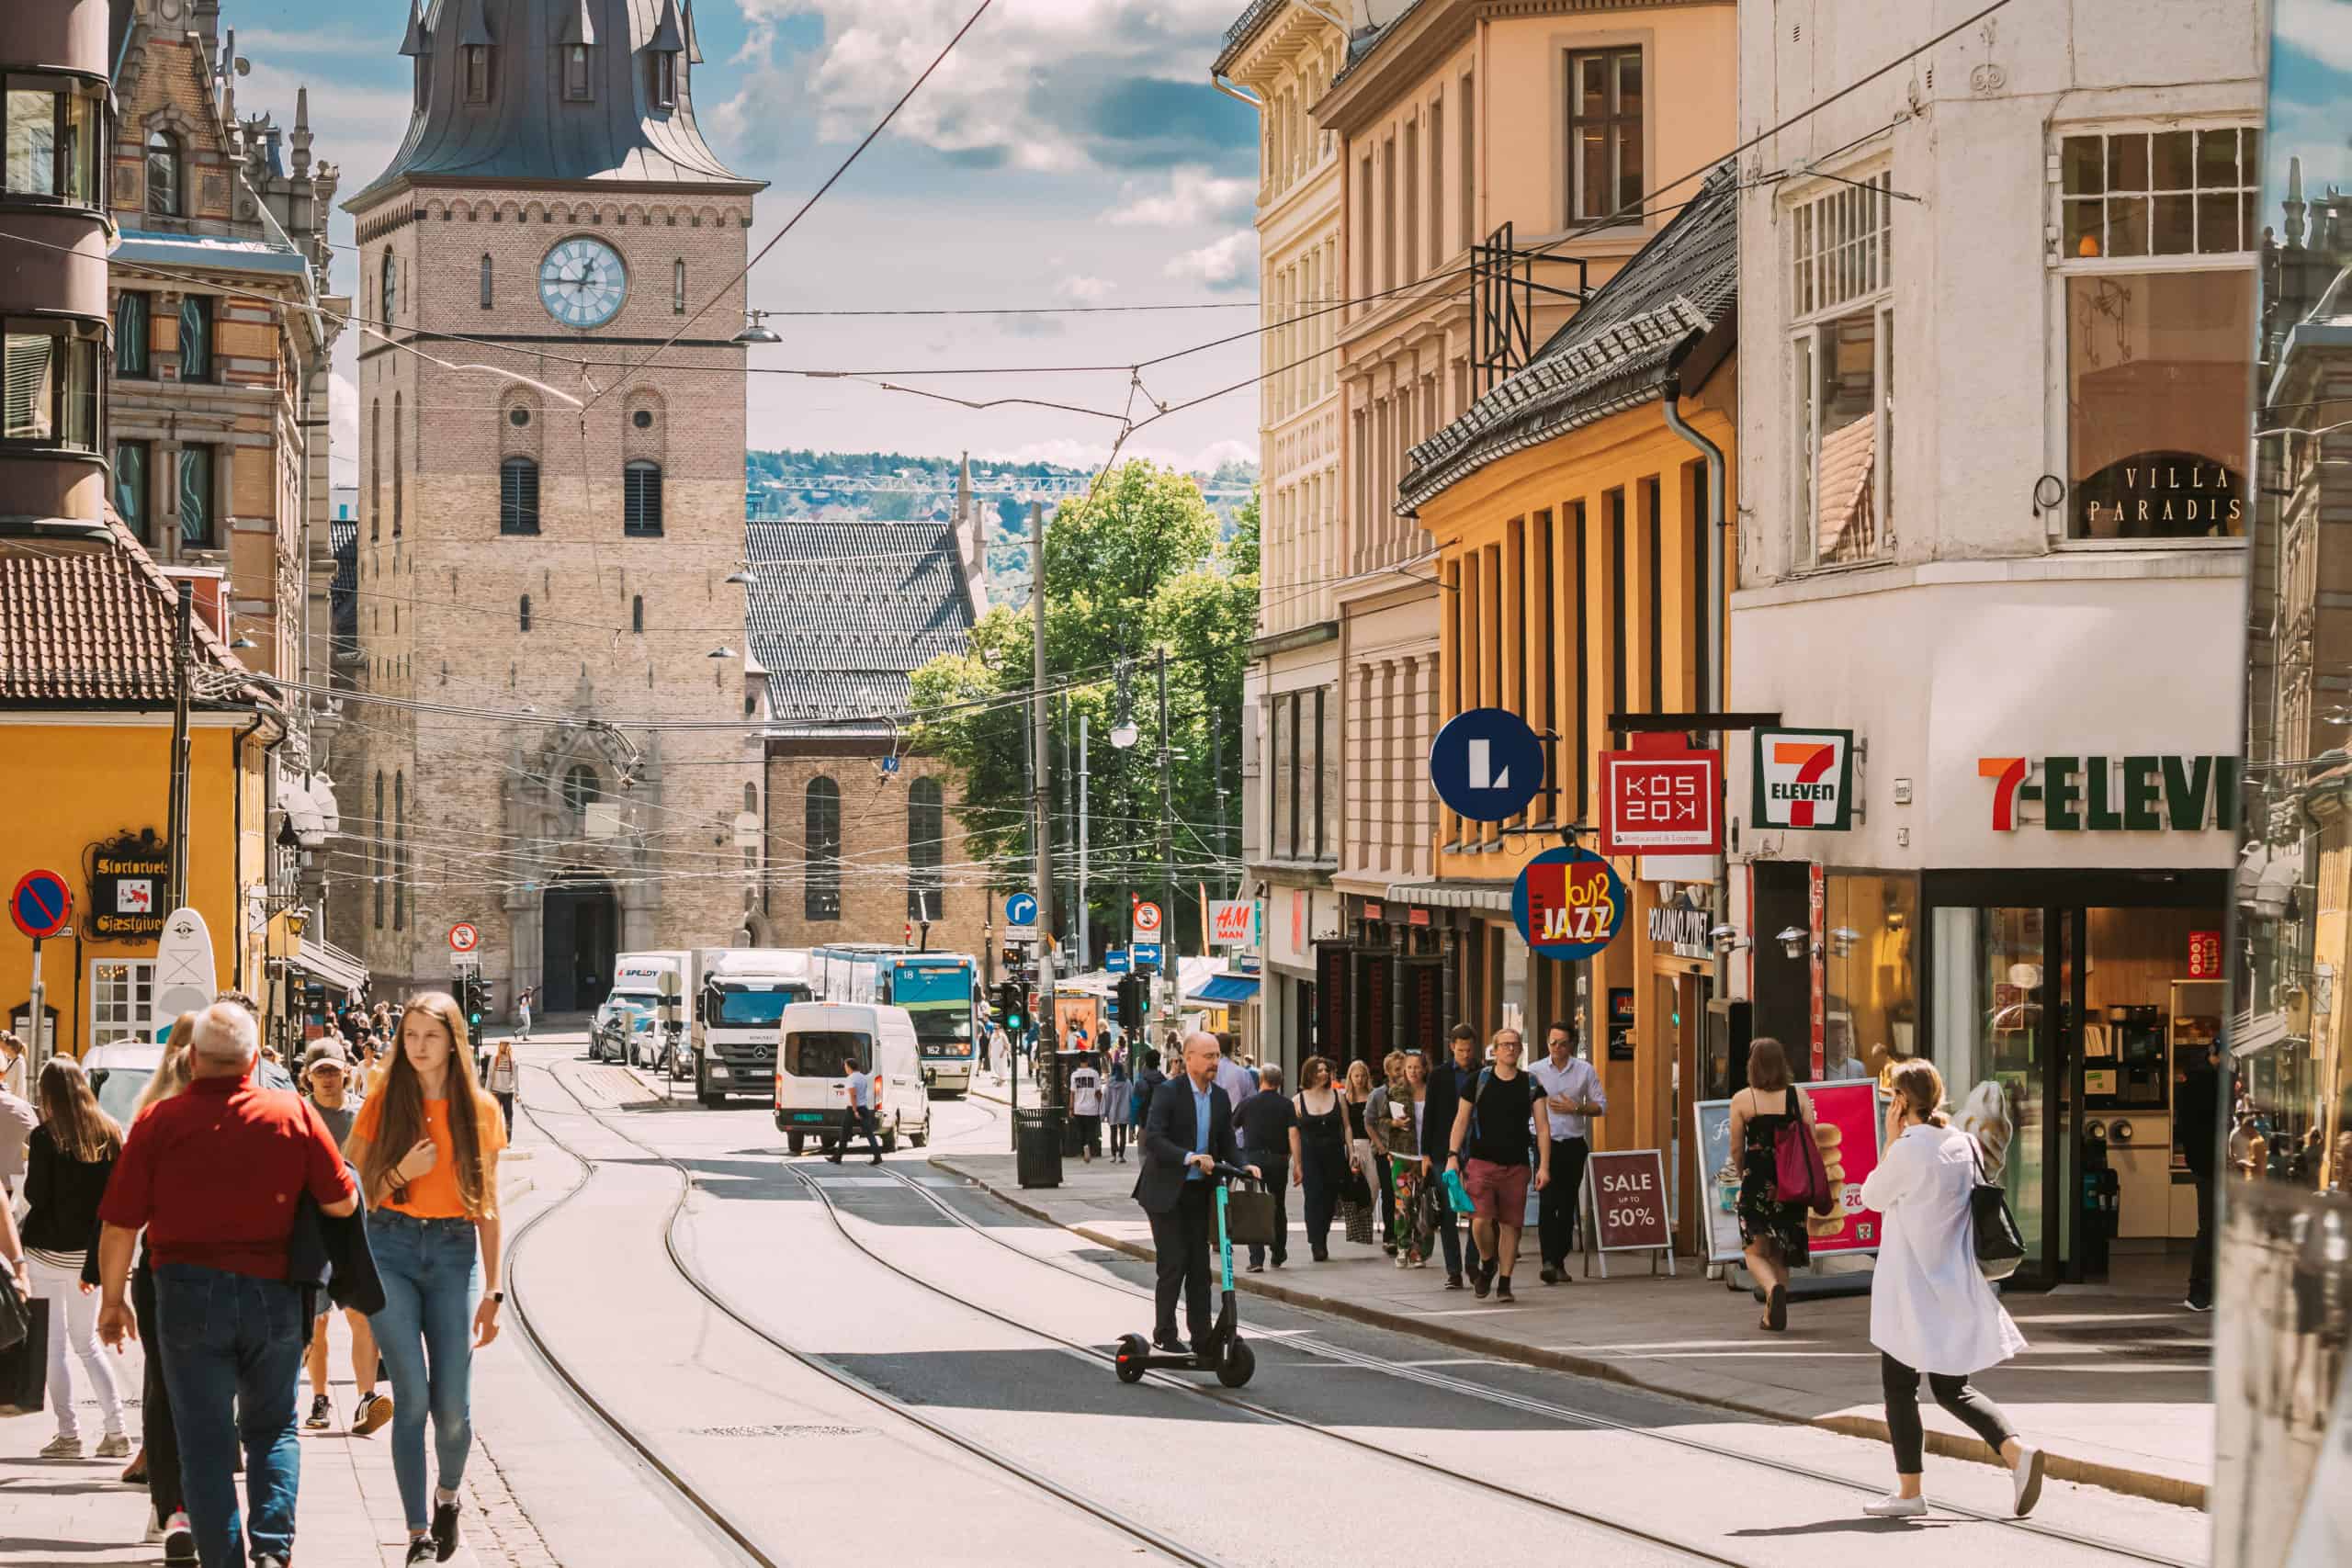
point(1134, 1005)
point(1011, 1007)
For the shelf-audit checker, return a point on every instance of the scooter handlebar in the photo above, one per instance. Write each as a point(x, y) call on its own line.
point(1225, 1173)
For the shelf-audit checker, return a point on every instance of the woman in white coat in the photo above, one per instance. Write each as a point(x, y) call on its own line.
point(1931, 1310)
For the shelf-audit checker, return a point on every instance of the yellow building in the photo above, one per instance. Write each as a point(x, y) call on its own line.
point(1578, 579)
point(86, 702)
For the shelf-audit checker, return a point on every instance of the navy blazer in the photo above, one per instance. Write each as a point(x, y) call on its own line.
point(1170, 1134)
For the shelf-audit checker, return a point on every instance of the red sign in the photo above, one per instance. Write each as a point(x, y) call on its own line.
point(1661, 796)
point(41, 906)
point(2204, 955)
point(1817, 904)
point(463, 937)
point(1628, 1188)
point(1846, 1125)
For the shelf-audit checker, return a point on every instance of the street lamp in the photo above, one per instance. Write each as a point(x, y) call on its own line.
point(755, 330)
point(1123, 734)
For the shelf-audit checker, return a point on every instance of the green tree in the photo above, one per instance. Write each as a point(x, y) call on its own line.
point(1130, 571)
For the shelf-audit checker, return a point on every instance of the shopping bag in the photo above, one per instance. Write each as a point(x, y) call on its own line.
point(24, 1366)
point(1457, 1197)
point(1248, 1215)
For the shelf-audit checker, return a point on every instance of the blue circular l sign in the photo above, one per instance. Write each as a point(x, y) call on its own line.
point(1021, 909)
point(1487, 764)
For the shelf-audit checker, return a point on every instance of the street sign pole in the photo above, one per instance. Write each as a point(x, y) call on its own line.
point(1081, 921)
point(36, 1056)
point(1167, 843)
point(1040, 842)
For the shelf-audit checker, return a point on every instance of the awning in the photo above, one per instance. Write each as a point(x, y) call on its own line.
point(1225, 990)
point(340, 970)
point(1494, 896)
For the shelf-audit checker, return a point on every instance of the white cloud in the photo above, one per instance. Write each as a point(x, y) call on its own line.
point(342, 423)
point(2321, 28)
point(256, 42)
point(1076, 454)
point(1081, 289)
point(1191, 197)
point(1003, 93)
point(1222, 264)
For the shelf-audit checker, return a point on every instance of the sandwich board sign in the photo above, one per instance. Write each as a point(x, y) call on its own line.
point(1624, 1192)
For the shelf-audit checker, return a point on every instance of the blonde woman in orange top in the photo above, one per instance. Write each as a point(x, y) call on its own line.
point(426, 1144)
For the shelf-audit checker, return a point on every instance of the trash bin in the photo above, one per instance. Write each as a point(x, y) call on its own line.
point(1037, 1157)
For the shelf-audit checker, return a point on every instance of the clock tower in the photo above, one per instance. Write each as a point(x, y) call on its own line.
point(550, 583)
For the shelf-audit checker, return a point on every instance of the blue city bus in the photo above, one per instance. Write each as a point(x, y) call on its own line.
point(939, 991)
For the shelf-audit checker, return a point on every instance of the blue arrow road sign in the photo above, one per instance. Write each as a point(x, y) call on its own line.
point(1487, 764)
point(1115, 960)
point(1145, 952)
point(1021, 909)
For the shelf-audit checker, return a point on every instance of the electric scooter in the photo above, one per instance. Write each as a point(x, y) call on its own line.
point(1224, 1352)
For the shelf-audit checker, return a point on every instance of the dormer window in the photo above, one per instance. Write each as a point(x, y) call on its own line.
point(478, 73)
point(664, 64)
point(575, 73)
point(423, 65)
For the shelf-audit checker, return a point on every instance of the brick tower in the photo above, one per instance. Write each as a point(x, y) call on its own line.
point(551, 536)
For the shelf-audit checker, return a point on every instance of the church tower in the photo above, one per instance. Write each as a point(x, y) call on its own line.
point(549, 526)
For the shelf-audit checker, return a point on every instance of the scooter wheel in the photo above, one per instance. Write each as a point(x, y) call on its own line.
point(1234, 1368)
point(1133, 1351)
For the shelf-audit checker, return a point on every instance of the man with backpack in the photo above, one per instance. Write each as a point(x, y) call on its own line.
point(1489, 1148)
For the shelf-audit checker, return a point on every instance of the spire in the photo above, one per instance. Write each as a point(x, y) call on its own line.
point(300, 138)
point(667, 38)
point(2294, 203)
point(693, 41)
point(414, 42)
point(474, 28)
point(578, 25)
point(964, 488)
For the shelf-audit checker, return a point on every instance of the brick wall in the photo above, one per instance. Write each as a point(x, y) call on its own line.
point(874, 854)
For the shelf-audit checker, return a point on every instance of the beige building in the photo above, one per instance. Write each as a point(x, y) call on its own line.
point(1457, 128)
point(559, 534)
point(1285, 52)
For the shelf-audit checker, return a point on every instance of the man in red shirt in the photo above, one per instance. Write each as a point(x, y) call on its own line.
point(215, 1175)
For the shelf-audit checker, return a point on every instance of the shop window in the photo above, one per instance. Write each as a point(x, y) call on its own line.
point(1842, 363)
point(2165, 193)
point(49, 381)
point(1872, 1017)
point(822, 882)
point(164, 167)
point(195, 498)
point(131, 333)
point(641, 499)
point(1605, 135)
point(49, 145)
point(131, 464)
point(122, 994)
point(196, 337)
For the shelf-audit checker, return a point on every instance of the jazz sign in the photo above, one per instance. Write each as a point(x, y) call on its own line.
point(1568, 904)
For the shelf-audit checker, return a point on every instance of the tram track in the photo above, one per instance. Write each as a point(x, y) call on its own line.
point(1529, 1404)
point(693, 1496)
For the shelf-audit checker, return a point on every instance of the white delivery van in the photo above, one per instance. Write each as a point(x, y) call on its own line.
point(644, 980)
point(745, 993)
point(815, 1043)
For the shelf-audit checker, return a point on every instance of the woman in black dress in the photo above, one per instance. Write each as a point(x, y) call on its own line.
point(1320, 1151)
point(1772, 1231)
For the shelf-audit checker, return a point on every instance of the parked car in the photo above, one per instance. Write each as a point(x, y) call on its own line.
point(620, 1023)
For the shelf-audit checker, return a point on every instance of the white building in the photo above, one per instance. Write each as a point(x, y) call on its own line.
point(1998, 313)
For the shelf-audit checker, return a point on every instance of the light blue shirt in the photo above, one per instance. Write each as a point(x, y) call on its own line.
point(1200, 1128)
point(861, 1091)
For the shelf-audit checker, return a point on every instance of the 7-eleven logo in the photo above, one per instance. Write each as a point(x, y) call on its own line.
point(1802, 777)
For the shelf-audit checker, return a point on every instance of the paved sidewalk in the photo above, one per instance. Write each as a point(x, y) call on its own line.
point(2116, 1383)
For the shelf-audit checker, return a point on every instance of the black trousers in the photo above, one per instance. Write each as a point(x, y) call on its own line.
point(1321, 1173)
point(156, 1433)
point(1181, 1238)
point(2200, 1252)
point(1118, 1139)
point(1557, 1204)
point(1957, 1395)
point(861, 1120)
point(1387, 1199)
point(1277, 1170)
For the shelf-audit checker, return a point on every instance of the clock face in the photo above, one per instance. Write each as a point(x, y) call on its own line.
point(583, 282)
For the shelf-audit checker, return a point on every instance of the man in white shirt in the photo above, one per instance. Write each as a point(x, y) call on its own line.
point(1086, 1107)
point(865, 1108)
point(1573, 1096)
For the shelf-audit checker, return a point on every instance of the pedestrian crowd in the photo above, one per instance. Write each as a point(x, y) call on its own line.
point(227, 1223)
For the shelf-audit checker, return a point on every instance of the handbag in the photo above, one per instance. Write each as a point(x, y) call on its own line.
point(24, 1365)
point(1799, 1174)
point(1999, 1247)
point(1248, 1214)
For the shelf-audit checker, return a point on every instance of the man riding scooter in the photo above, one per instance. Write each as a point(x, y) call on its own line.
point(1187, 1134)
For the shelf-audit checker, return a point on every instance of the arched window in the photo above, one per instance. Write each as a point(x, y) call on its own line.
point(376, 852)
point(164, 173)
point(396, 421)
point(750, 797)
point(375, 467)
point(678, 287)
point(400, 852)
point(926, 845)
point(637, 613)
point(579, 789)
point(524, 617)
point(575, 73)
point(641, 499)
point(387, 286)
point(485, 281)
point(477, 74)
point(823, 899)
point(518, 496)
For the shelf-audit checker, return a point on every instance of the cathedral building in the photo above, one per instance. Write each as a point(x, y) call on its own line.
point(551, 510)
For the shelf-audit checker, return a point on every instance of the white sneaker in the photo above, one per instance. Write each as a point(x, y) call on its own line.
point(63, 1448)
point(2030, 1463)
point(154, 1530)
point(114, 1445)
point(1892, 1506)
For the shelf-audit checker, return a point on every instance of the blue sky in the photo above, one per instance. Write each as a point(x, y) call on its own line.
point(1070, 152)
point(2311, 98)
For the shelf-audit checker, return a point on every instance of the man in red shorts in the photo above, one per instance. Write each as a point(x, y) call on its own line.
point(1489, 1144)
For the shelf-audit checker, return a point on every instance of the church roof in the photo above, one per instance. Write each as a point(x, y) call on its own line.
point(840, 614)
point(527, 132)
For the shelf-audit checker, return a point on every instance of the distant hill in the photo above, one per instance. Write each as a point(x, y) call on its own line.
point(886, 487)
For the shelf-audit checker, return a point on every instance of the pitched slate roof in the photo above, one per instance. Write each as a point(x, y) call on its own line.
point(93, 627)
point(1612, 355)
point(840, 614)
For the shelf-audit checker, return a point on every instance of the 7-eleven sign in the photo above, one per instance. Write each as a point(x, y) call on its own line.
point(1804, 779)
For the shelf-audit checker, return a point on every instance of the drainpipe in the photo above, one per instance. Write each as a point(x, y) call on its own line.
point(1711, 694)
point(1235, 93)
point(237, 843)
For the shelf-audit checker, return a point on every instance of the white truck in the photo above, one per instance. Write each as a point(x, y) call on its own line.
point(744, 993)
point(652, 981)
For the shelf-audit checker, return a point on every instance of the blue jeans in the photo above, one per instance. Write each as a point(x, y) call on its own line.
point(232, 1349)
point(431, 1273)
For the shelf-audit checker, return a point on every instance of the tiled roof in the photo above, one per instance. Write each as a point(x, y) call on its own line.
point(1612, 355)
point(840, 614)
point(93, 628)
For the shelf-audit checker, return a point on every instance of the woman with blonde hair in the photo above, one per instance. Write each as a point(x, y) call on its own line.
point(71, 1155)
point(1771, 1231)
point(1356, 1095)
point(1932, 1310)
point(426, 1144)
